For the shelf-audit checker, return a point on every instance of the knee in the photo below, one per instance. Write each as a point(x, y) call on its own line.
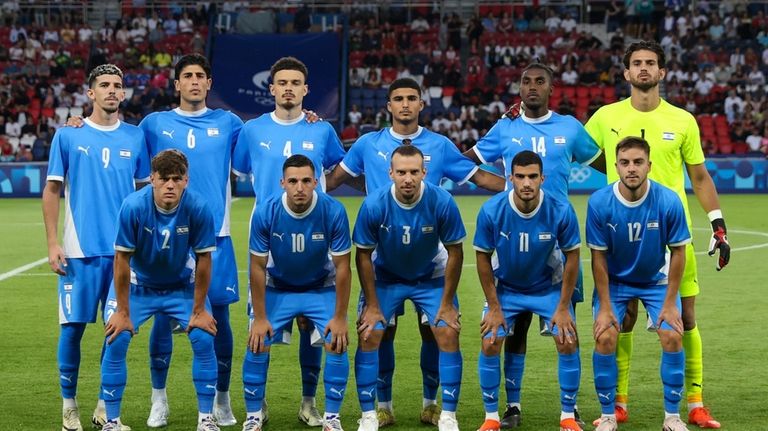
point(605, 344)
point(447, 339)
point(118, 348)
point(671, 341)
point(372, 342)
point(491, 349)
point(201, 340)
point(566, 348)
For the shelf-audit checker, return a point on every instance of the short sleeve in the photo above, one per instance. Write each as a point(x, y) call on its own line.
point(693, 154)
point(58, 159)
point(236, 127)
point(258, 243)
point(450, 225)
point(241, 161)
point(334, 151)
point(353, 162)
point(584, 148)
point(341, 243)
point(365, 234)
point(203, 237)
point(127, 227)
point(568, 232)
point(143, 161)
point(484, 240)
point(456, 166)
point(593, 129)
point(678, 233)
point(489, 148)
point(596, 238)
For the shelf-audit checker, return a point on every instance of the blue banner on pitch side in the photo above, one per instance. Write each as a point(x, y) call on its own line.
point(241, 75)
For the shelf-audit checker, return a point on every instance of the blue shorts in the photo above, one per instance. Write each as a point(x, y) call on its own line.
point(578, 291)
point(224, 286)
point(513, 302)
point(83, 291)
point(652, 298)
point(145, 302)
point(425, 295)
point(282, 306)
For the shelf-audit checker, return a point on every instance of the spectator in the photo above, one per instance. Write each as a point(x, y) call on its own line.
point(569, 76)
point(440, 122)
point(23, 154)
point(373, 79)
point(85, 34)
point(171, 26)
point(552, 22)
point(505, 24)
point(709, 147)
point(614, 14)
point(474, 32)
point(354, 115)
point(537, 23)
point(568, 24)
point(153, 21)
point(489, 23)
point(355, 78)
point(186, 26)
point(755, 142)
point(6, 150)
point(419, 25)
point(138, 34)
point(521, 24)
point(67, 34)
point(383, 118)
point(454, 31)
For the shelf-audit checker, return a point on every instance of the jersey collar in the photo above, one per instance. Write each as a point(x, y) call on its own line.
point(102, 128)
point(520, 213)
point(190, 113)
point(627, 203)
point(295, 215)
point(400, 137)
point(284, 122)
point(407, 206)
point(541, 119)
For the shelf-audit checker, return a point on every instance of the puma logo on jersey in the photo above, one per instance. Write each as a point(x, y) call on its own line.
point(278, 235)
point(616, 131)
point(386, 228)
point(265, 144)
point(168, 134)
point(149, 229)
point(505, 235)
point(518, 141)
point(83, 149)
point(612, 226)
point(383, 155)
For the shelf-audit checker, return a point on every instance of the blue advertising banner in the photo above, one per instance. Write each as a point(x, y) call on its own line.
point(241, 75)
point(22, 180)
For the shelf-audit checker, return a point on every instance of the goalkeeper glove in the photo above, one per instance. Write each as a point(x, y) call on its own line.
point(719, 241)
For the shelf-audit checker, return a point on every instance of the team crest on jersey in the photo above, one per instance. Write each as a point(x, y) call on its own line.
point(560, 140)
point(652, 225)
point(545, 236)
point(125, 154)
point(318, 236)
point(307, 145)
point(427, 229)
point(213, 131)
point(668, 136)
point(182, 230)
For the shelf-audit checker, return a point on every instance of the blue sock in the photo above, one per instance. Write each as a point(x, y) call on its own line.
point(335, 379)
point(69, 357)
point(255, 368)
point(569, 374)
point(386, 370)
point(223, 345)
point(606, 373)
point(672, 377)
point(430, 371)
point(114, 373)
point(514, 365)
point(450, 377)
point(203, 368)
point(160, 350)
point(310, 359)
point(489, 370)
point(366, 367)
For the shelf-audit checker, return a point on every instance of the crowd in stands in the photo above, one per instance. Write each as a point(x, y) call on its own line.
point(717, 61)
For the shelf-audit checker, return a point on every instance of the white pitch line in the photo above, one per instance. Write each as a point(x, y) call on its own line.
point(22, 268)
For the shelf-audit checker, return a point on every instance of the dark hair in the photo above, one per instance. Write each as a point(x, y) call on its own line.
point(404, 83)
point(298, 161)
point(104, 69)
point(540, 66)
point(633, 142)
point(289, 63)
point(648, 45)
point(527, 158)
point(170, 162)
point(192, 59)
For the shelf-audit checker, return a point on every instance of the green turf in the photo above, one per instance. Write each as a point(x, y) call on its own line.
point(729, 312)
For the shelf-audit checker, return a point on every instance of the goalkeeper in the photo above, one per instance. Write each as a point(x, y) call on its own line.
point(675, 142)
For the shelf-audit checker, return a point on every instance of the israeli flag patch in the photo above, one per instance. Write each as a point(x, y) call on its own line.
point(668, 136)
point(545, 236)
point(213, 131)
point(652, 225)
point(427, 229)
point(67, 287)
point(307, 145)
point(560, 140)
point(181, 230)
point(125, 154)
point(318, 236)
point(427, 157)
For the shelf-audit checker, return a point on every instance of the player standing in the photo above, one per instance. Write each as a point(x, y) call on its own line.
point(531, 232)
point(159, 230)
point(371, 155)
point(99, 165)
point(637, 231)
point(303, 229)
point(416, 231)
point(262, 147)
point(558, 140)
point(674, 138)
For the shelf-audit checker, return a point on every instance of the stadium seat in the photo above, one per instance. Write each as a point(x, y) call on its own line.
point(368, 94)
point(740, 148)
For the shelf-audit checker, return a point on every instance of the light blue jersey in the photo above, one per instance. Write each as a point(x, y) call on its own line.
point(207, 138)
point(527, 257)
point(266, 142)
point(371, 155)
point(557, 139)
point(408, 238)
point(162, 241)
point(635, 235)
point(298, 245)
point(98, 166)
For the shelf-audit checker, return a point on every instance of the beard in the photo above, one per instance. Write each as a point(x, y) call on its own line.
point(644, 85)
